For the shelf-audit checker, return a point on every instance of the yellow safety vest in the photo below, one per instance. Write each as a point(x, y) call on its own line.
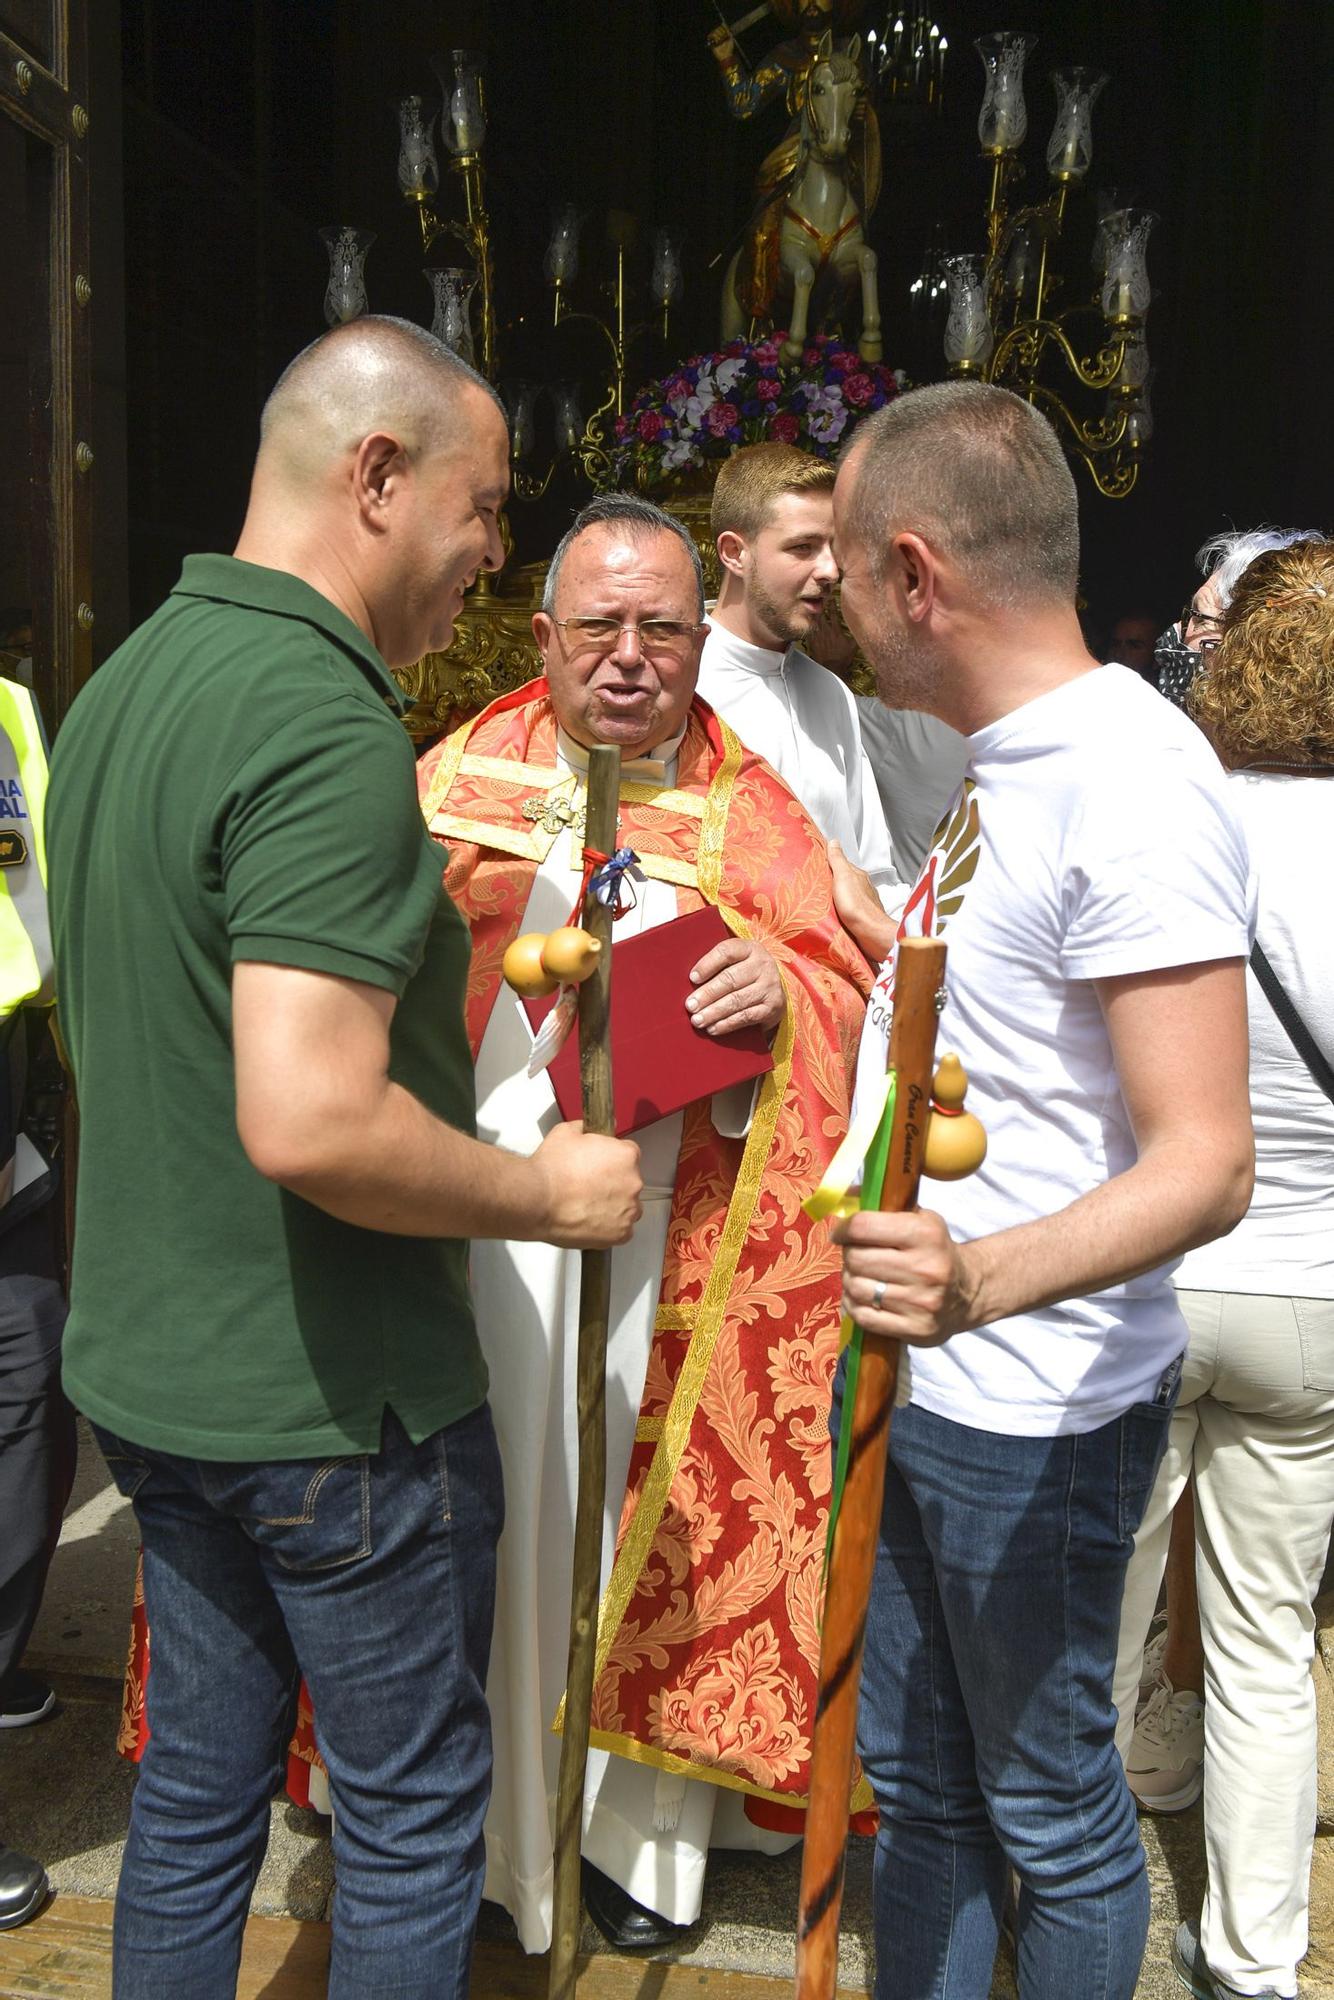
point(26, 968)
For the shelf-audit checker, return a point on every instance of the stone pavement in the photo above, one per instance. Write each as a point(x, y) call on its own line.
point(64, 1797)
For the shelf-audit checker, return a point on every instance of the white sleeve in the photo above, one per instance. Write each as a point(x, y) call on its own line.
point(1156, 874)
point(875, 850)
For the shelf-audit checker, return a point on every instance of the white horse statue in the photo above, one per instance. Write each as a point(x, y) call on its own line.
point(806, 238)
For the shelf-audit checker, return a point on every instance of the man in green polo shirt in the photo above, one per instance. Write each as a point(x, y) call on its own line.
point(262, 986)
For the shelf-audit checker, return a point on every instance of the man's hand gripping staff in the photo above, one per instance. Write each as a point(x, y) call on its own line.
point(895, 1153)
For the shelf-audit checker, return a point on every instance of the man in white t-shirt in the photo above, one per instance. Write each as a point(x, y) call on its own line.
point(773, 524)
point(1092, 884)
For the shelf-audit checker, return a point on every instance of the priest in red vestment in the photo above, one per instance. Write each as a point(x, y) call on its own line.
point(725, 1307)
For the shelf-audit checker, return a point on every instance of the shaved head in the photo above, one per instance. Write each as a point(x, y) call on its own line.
point(383, 466)
point(374, 374)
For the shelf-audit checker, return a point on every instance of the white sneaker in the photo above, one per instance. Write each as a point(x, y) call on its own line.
point(1165, 1768)
point(1151, 1667)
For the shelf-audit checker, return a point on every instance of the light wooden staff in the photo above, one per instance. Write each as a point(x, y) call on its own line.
point(604, 780)
point(919, 978)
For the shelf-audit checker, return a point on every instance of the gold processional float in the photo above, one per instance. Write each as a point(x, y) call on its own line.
point(1071, 341)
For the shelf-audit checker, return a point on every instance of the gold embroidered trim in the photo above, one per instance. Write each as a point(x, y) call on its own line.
point(862, 1800)
point(648, 1430)
point(675, 1319)
point(532, 846)
point(666, 868)
point(713, 825)
point(634, 1550)
point(510, 771)
point(451, 756)
point(662, 798)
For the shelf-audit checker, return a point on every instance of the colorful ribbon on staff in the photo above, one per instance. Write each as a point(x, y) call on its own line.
point(865, 1150)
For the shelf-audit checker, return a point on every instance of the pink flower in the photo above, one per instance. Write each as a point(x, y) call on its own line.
point(766, 353)
point(677, 388)
point(811, 356)
point(843, 363)
point(622, 427)
point(720, 417)
point(784, 427)
point(649, 425)
point(768, 390)
point(859, 389)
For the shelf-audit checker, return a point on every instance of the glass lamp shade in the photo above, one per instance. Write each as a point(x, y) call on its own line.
point(520, 400)
point(1139, 424)
point(569, 422)
point(1070, 148)
point(1139, 416)
point(464, 120)
point(1003, 119)
point(453, 290)
point(664, 283)
point(968, 336)
point(1134, 370)
point(1110, 201)
point(561, 263)
point(345, 294)
point(1020, 265)
point(1125, 284)
point(418, 173)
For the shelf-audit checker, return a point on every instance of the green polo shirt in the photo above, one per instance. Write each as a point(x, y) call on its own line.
point(235, 784)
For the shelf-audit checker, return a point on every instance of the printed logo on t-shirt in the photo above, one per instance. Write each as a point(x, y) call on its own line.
point(938, 893)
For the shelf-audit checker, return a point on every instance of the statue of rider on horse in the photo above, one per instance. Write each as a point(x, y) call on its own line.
point(814, 190)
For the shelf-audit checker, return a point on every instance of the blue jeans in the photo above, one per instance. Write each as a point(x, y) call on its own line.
point(374, 1576)
point(987, 1726)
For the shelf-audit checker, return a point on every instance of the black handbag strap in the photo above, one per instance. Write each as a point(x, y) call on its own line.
point(1293, 1025)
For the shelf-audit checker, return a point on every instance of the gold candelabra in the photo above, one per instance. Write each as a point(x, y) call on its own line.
point(463, 128)
point(587, 444)
point(1007, 320)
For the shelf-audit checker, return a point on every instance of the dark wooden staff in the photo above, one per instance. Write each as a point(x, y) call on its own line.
point(920, 977)
point(604, 782)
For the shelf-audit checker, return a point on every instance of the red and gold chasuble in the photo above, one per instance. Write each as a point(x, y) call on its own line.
point(708, 1632)
point(709, 1629)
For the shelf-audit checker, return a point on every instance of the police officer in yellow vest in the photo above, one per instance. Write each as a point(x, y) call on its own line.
point(36, 1423)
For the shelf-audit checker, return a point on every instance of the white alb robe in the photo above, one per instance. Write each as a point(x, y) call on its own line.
point(527, 1299)
point(802, 720)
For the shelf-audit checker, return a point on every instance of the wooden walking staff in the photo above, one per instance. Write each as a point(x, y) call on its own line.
point(604, 782)
point(918, 996)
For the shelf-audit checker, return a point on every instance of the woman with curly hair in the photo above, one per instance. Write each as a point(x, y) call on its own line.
point(1254, 1427)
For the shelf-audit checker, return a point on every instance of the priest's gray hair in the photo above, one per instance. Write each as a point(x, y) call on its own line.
point(1225, 558)
point(372, 374)
point(980, 475)
point(636, 520)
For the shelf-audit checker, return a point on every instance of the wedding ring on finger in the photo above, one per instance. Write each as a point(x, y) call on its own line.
point(878, 1296)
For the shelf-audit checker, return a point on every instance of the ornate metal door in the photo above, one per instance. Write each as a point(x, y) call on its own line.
point(45, 457)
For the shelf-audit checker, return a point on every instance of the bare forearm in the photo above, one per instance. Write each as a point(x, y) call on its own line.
point(398, 1168)
point(1152, 1213)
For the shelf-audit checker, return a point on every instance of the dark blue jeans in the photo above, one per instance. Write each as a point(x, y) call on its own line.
point(987, 1726)
point(375, 1577)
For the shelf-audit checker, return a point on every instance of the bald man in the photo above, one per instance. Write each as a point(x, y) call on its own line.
point(262, 987)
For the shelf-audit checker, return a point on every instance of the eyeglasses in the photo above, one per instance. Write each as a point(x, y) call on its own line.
point(1190, 616)
point(672, 636)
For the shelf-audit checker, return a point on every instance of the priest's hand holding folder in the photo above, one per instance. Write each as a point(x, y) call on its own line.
point(736, 986)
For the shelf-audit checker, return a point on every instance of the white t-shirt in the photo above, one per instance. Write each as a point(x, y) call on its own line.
point(803, 721)
point(1285, 1243)
point(917, 761)
point(1093, 836)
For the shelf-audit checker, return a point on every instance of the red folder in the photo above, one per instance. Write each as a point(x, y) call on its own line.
point(659, 1060)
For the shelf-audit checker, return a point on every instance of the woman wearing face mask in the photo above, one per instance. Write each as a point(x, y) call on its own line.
point(1254, 1426)
point(1222, 562)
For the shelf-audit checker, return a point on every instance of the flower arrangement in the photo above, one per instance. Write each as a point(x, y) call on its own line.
point(712, 403)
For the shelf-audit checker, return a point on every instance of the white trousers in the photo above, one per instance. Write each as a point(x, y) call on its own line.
point(1255, 1426)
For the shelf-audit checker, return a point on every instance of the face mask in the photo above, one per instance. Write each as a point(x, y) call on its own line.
point(1177, 665)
